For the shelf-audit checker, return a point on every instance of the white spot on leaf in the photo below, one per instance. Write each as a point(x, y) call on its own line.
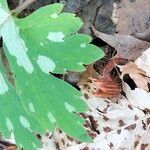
point(69, 107)
point(31, 107)
point(80, 63)
point(3, 85)
point(41, 44)
point(51, 117)
point(83, 45)
point(34, 145)
point(24, 122)
point(15, 45)
point(23, 44)
point(9, 124)
point(27, 83)
point(56, 36)
point(20, 144)
point(46, 64)
point(54, 15)
point(3, 16)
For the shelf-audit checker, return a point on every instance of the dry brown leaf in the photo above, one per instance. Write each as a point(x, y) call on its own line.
point(112, 64)
point(117, 126)
point(126, 45)
point(98, 85)
point(145, 36)
point(133, 16)
point(90, 72)
point(105, 87)
point(12, 148)
point(137, 75)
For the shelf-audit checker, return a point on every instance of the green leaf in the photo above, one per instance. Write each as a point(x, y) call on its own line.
point(4, 15)
point(45, 42)
point(14, 118)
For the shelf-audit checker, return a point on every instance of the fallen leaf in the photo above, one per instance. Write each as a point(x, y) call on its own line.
point(133, 16)
point(145, 36)
point(137, 75)
point(132, 133)
point(105, 87)
point(100, 86)
point(126, 45)
point(84, 77)
point(112, 64)
point(143, 62)
point(140, 96)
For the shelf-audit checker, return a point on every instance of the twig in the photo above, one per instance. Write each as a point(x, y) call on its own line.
point(17, 10)
point(22, 6)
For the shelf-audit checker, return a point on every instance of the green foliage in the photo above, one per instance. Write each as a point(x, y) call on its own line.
point(44, 42)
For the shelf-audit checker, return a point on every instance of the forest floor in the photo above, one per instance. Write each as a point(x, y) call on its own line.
point(116, 88)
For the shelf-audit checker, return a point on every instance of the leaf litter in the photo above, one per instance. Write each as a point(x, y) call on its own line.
point(119, 121)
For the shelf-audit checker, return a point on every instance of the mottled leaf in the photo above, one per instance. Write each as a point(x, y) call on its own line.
point(46, 42)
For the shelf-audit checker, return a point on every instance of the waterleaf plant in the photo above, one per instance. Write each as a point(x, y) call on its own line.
point(37, 46)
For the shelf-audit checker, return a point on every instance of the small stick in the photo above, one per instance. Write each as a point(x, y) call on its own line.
point(22, 6)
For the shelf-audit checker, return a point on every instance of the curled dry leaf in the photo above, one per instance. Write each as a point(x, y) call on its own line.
point(139, 72)
point(112, 64)
point(138, 97)
point(136, 74)
point(126, 45)
point(100, 86)
point(105, 87)
point(143, 62)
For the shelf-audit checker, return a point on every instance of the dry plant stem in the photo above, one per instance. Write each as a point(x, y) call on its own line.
point(112, 64)
point(22, 6)
point(19, 9)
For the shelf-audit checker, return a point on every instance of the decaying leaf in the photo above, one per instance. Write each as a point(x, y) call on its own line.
point(126, 45)
point(104, 87)
point(90, 72)
point(121, 125)
point(145, 36)
point(139, 96)
point(135, 21)
point(137, 75)
point(113, 126)
point(113, 62)
point(100, 86)
point(143, 62)
point(133, 16)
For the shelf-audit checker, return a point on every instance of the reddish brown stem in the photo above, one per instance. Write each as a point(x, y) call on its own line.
point(112, 64)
